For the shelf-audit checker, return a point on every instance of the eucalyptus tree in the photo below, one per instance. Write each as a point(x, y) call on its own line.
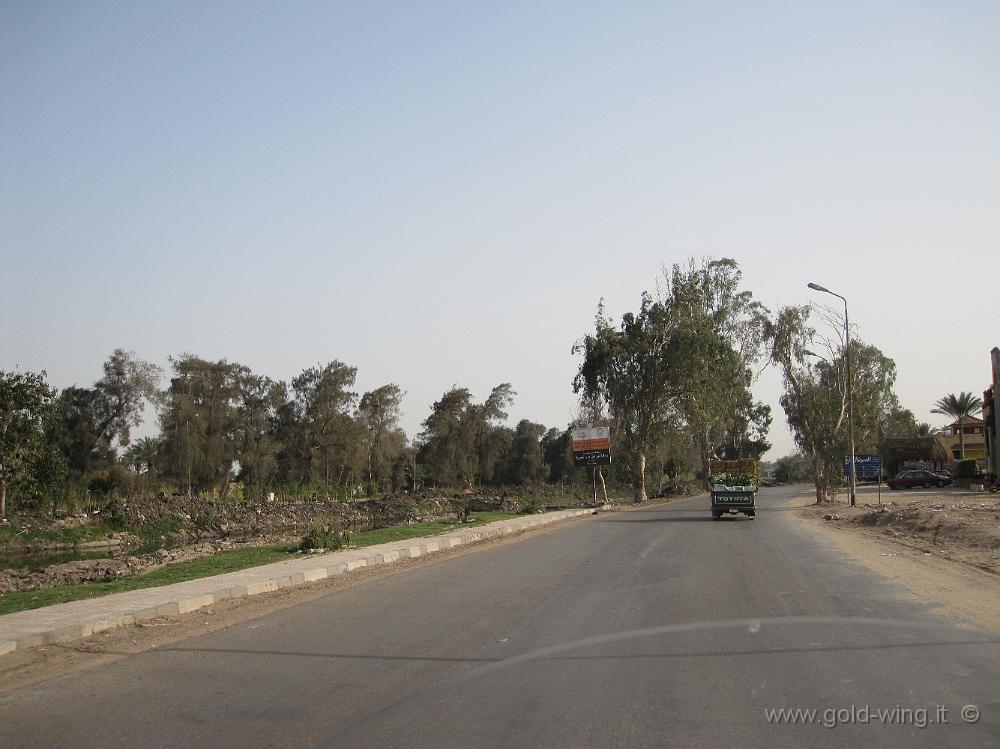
point(959, 407)
point(814, 395)
point(732, 331)
point(637, 369)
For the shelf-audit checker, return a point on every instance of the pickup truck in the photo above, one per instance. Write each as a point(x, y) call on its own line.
point(733, 487)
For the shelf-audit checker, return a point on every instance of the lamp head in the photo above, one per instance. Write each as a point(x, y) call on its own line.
point(817, 287)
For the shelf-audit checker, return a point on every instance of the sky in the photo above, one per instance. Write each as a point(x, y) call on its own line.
point(439, 193)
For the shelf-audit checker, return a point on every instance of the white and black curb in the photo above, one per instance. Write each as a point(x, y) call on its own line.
point(78, 619)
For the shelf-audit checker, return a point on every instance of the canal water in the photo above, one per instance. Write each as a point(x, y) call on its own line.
point(36, 560)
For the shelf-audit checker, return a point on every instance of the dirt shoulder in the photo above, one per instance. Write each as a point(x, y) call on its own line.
point(942, 545)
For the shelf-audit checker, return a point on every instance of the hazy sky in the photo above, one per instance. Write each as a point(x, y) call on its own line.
point(439, 193)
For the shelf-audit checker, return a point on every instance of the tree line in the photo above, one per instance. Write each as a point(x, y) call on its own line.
point(673, 380)
point(226, 430)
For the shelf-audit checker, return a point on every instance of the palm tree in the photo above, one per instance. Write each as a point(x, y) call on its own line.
point(959, 407)
point(143, 453)
point(925, 430)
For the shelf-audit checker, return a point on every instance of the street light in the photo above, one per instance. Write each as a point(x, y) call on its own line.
point(850, 390)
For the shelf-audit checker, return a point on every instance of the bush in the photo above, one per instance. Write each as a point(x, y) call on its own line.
point(533, 506)
point(115, 479)
point(326, 537)
point(968, 468)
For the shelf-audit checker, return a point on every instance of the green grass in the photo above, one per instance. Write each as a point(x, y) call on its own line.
point(12, 536)
point(218, 564)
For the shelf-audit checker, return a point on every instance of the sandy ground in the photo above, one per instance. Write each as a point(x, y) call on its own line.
point(941, 544)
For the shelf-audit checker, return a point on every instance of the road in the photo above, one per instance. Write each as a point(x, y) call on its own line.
point(651, 627)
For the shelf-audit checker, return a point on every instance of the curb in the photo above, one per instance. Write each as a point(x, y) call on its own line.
point(86, 617)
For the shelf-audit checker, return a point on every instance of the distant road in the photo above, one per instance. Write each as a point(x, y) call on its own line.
point(652, 627)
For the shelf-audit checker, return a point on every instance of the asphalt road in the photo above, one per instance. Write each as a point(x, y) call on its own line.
point(653, 627)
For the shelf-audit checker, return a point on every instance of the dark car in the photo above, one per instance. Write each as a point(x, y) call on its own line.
point(917, 477)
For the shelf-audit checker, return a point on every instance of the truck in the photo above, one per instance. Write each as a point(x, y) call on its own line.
point(733, 487)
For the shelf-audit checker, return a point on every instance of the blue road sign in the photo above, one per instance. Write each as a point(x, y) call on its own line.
point(865, 466)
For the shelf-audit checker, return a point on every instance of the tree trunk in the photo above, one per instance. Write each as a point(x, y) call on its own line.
point(961, 437)
point(819, 480)
point(639, 478)
point(604, 488)
point(3, 500)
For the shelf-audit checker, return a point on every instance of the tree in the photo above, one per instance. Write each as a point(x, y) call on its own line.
point(959, 407)
point(464, 443)
point(923, 429)
point(814, 396)
point(637, 370)
point(791, 469)
point(75, 431)
point(525, 463)
point(447, 442)
point(323, 402)
point(379, 412)
point(899, 422)
point(258, 405)
point(86, 422)
point(143, 455)
point(25, 401)
point(731, 331)
point(198, 421)
point(121, 393)
point(557, 452)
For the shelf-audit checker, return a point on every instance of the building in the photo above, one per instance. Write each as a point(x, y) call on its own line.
point(898, 452)
point(975, 439)
point(991, 415)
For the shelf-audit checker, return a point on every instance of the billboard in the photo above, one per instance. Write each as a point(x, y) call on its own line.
point(591, 447)
point(865, 466)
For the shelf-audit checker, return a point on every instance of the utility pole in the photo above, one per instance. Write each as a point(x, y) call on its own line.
point(995, 436)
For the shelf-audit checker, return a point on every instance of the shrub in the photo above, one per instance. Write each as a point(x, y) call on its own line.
point(968, 468)
point(533, 506)
point(114, 479)
point(323, 536)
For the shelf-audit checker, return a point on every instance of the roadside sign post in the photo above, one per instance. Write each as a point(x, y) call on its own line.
point(864, 466)
point(592, 447)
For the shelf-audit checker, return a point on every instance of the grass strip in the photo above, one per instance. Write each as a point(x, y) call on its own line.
point(221, 563)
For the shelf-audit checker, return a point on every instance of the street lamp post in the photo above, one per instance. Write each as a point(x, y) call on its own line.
point(850, 393)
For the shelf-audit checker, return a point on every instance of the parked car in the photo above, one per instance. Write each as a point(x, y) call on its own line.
point(911, 478)
point(946, 475)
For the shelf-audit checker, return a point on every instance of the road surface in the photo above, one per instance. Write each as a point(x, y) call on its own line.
point(651, 627)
